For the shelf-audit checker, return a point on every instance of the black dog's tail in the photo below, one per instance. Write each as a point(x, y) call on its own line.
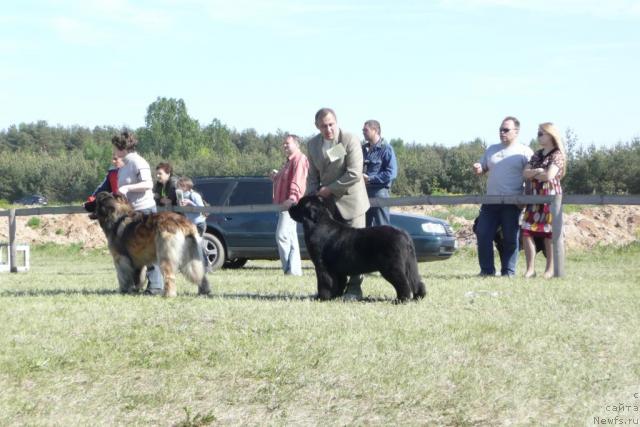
point(413, 274)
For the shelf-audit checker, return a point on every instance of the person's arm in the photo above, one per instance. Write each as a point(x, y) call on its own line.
point(194, 199)
point(388, 169)
point(157, 189)
point(481, 167)
point(353, 168)
point(197, 198)
point(547, 175)
point(104, 186)
point(139, 187)
point(529, 172)
point(145, 183)
point(298, 183)
point(171, 190)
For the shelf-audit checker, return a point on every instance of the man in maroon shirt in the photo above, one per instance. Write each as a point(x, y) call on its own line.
point(289, 185)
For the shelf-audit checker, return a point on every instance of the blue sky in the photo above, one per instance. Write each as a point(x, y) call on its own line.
point(441, 71)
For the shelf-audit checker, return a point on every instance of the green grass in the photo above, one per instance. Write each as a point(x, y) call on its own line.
point(34, 222)
point(569, 209)
point(465, 211)
point(261, 351)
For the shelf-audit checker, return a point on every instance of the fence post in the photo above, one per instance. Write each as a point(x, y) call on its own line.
point(12, 241)
point(558, 236)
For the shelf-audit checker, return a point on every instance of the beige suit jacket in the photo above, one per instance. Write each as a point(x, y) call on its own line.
point(343, 176)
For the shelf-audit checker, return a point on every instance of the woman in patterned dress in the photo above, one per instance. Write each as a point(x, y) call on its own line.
point(544, 172)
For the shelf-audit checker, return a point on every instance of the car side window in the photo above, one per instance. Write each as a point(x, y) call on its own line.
point(252, 193)
point(212, 192)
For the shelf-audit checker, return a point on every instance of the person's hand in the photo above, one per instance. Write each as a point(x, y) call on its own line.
point(273, 174)
point(366, 178)
point(287, 204)
point(165, 201)
point(477, 168)
point(123, 189)
point(324, 192)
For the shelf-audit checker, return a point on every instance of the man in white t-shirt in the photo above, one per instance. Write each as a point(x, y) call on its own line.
point(503, 163)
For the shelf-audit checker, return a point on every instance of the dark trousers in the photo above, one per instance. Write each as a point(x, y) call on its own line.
point(378, 215)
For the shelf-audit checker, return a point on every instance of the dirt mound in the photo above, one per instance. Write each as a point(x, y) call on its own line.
point(592, 226)
point(601, 225)
point(62, 229)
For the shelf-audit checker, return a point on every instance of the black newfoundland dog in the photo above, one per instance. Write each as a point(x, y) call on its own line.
point(338, 251)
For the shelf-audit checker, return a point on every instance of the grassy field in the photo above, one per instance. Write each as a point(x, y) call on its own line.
point(261, 351)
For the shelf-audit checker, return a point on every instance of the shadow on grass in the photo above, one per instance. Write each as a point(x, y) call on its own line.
point(56, 292)
point(233, 296)
point(447, 276)
point(297, 297)
point(264, 267)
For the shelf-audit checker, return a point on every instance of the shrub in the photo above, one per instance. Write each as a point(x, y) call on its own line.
point(33, 222)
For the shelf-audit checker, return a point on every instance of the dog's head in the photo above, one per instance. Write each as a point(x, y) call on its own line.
point(311, 209)
point(109, 207)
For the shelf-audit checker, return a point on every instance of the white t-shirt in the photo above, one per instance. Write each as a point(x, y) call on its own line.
point(135, 170)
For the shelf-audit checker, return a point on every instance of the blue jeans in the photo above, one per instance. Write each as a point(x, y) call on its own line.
point(492, 216)
point(288, 247)
point(375, 215)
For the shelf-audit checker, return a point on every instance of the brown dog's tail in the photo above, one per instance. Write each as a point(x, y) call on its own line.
point(194, 263)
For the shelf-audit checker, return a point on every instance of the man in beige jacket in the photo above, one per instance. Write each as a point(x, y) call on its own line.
point(335, 170)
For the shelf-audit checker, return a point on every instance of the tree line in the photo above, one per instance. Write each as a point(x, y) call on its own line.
point(67, 163)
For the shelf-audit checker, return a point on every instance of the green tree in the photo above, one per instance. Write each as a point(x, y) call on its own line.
point(169, 131)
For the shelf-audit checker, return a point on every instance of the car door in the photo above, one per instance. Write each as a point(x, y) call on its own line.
point(251, 234)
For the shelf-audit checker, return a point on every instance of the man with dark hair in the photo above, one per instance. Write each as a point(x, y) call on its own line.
point(503, 163)
point(335, 170)
point(380, 169)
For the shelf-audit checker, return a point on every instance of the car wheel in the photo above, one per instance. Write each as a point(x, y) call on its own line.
point(214, 251)
point(235, 263)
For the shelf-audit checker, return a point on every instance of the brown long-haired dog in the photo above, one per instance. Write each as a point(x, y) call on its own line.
point(137, 240)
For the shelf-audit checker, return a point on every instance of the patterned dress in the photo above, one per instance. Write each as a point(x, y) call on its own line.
point(538, 218)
